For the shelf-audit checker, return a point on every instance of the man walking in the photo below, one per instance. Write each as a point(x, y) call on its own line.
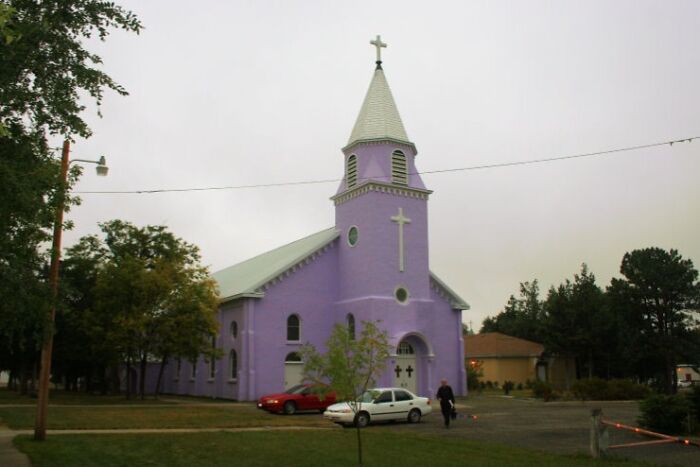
point(447, 401)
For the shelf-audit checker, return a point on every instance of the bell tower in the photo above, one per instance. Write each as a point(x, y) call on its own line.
point(381, 206)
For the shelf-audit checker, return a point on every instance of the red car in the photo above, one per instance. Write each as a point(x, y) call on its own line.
point(299, 397)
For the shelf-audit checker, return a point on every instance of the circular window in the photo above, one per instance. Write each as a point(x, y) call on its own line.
point(401, 295)
point(353, 235)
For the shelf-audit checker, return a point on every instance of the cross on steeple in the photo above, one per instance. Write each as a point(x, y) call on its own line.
point(378, 44)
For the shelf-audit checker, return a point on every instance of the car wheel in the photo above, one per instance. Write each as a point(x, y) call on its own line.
point(414, 416)
point(321, 410)
point(290, 408)
point(362, 419)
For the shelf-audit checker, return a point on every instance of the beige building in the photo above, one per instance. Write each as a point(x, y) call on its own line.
point(507, 358)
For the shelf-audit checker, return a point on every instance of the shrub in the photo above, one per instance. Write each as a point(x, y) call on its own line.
point(474, 372)
point(489, 384)
point(520, 387)
point(614, 389)
point(590, 389)
point(665, 414)
point(625, 389)
point(508, 386)
point(543, 390)
point(694, 402)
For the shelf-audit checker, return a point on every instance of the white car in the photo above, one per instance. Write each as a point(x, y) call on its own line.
point(380, 404)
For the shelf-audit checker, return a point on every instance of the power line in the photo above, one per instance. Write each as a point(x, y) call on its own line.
point(425, 172)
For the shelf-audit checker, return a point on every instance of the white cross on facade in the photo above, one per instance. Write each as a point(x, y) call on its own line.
point(378, 44)
point(401, 220)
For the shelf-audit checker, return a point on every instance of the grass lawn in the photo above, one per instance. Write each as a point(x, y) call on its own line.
point(292, 448)
point(174, 416)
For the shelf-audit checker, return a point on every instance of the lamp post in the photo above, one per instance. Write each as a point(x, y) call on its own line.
point(47, 348)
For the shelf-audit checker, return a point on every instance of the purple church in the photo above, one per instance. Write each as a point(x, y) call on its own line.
point(373, 264)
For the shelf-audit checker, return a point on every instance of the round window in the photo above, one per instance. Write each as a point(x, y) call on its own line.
point(401, 295)
point(353, 236)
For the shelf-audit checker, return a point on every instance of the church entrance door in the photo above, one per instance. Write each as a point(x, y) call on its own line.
point(405, 374)
point(293, 370)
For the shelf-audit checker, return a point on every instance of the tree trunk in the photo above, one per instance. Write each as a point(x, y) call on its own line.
point(142, 378)
point(163, 362)
point(359, 445)
point(590, 364)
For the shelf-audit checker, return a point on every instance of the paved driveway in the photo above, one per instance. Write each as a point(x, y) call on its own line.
point(561, 427)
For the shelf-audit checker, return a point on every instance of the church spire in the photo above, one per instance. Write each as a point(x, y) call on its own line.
point(379, 118)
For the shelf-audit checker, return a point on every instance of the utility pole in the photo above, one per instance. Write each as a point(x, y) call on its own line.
point(46, 350)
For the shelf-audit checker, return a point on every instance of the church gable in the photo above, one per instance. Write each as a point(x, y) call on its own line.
point(450, 296)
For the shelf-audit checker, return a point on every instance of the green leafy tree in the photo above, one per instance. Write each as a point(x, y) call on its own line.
point(521, 317)
point(350, 365)
point(575, 321)
point(660, 295)
point(153, 300)
point(45, 70)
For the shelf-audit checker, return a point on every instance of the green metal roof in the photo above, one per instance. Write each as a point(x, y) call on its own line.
point(245, 279)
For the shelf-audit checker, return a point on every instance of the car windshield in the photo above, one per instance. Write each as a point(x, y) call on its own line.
point(368, 396)
point(295, 389)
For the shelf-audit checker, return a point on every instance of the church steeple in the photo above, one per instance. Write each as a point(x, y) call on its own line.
point(379, 118)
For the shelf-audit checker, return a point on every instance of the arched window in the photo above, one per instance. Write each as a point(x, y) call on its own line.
point(293, 357)
point(177, 369)
point(234, 329)
point(233, 364)
point(351, 326)
point(399, 173)
point(212, 360)
point(293, 328)
point(351, 171)
point(405, 349)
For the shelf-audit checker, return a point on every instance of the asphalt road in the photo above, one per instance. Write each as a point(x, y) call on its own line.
point(561, 427)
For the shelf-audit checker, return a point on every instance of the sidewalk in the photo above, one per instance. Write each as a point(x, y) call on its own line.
point(9, 454)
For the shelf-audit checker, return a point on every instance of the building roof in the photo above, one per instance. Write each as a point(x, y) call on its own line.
point(379, 118)
point(246, 279)
point(495, 344)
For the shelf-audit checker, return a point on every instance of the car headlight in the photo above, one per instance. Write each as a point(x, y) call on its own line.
point(272, 401)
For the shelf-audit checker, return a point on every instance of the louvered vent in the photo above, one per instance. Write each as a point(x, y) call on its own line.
point(351, 175)
point(399, 174)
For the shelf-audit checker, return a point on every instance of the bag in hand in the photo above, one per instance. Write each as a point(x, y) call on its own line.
point(453, 413)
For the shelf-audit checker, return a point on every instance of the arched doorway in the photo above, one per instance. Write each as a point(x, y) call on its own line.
point(293, 370)
point(405, 370)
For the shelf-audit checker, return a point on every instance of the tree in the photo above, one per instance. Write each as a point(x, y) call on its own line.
point(575, 323)
point(44, 71)
point(521, 317)
point(661, 294)
point(153, 300)
point(350, 366)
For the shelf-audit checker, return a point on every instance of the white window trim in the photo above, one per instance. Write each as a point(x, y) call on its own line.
point(348, 236)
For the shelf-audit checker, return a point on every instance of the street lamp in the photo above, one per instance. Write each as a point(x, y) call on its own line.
point(47, 347)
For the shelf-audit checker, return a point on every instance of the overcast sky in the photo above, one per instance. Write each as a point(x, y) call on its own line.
point(237, 93)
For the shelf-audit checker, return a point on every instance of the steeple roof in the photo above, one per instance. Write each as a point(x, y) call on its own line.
point(379, 118)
